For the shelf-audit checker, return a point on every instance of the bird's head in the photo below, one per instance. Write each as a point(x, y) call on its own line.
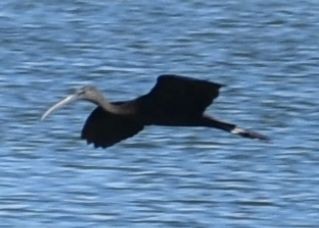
point(89, 93)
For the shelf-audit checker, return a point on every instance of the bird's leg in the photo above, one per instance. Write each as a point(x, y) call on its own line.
point(232, 128)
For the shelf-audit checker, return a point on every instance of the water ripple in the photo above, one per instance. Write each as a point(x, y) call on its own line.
point(266, 54)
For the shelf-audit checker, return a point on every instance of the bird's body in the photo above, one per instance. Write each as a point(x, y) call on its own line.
point(174, 101)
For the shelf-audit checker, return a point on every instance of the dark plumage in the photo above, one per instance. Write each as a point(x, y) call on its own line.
point(173, 101)
point(104, 129)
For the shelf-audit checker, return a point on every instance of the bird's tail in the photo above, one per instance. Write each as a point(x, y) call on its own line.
point(234, 129)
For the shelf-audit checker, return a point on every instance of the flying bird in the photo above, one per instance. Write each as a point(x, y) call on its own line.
point(173, 101)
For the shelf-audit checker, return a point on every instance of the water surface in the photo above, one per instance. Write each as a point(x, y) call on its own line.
point(265, 52)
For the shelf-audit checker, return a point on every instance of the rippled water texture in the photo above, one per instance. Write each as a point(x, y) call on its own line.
point(266, 52)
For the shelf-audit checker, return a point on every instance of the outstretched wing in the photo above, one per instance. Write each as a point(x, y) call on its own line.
point(179, 95)
point(104, 129)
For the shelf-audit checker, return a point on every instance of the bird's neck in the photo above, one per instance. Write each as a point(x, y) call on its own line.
point(113, 108)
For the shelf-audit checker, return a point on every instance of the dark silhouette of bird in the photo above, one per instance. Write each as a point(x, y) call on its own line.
point(173, 101)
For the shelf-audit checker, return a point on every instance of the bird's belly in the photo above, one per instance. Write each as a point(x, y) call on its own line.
point(172, 121)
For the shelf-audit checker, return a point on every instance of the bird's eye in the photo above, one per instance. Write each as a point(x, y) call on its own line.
point(80, 91)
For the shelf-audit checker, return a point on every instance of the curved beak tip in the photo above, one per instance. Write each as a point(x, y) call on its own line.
point(60, 104)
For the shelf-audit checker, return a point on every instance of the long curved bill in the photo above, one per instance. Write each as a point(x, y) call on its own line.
point(60, 104)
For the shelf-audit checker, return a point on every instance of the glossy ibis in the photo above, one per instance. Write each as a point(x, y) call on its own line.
point(174, 101)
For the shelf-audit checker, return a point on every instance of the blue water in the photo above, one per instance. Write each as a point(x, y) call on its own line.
point(266, 52)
